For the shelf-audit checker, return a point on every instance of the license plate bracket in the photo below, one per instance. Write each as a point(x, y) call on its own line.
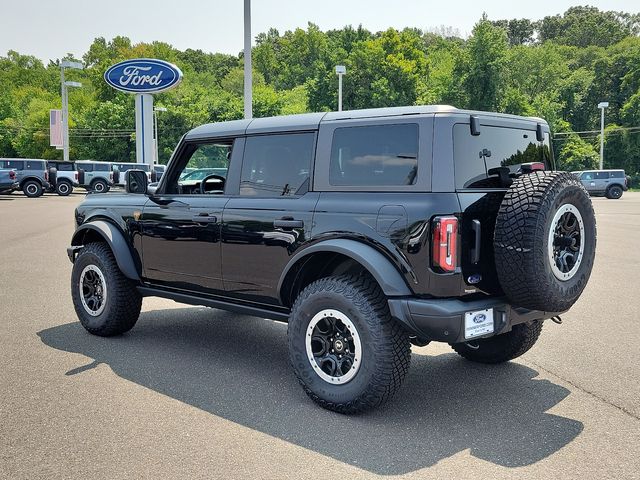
point(478, 323)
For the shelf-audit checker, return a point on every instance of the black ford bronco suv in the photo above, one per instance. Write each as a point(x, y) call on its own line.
point(365, 230)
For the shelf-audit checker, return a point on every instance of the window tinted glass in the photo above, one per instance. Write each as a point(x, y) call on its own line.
point(63, 166)
point(379, 155)
point(101, 167)
point(87, 167)
point(602, 175)
point(13, 164)
point(35, 165)
point(276, 165)
point(478, 158)
point(617, 174)
point(587, 176)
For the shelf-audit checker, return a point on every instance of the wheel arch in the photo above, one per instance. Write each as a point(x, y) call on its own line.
point(324, 254)
point(31, 178)
point(102, 230)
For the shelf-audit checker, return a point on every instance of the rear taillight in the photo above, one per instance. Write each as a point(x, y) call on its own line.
point(445, 243)
point(12, 175)
point(111, 176)
point(46, 176)
point(75, 175)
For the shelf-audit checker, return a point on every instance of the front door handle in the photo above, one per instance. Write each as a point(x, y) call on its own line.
point(288, 223)
point(205, 218)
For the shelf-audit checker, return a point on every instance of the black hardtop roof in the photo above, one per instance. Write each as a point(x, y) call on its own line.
point(311, 121)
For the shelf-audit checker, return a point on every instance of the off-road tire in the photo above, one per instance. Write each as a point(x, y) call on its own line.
point(614, 192)
point(386, 350)
point(99, 186)
point(32, 189)
point(123, 301)
point(501, 348)
point(64, 188)
point(522, 237)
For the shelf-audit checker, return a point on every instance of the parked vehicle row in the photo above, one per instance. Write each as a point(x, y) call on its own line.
point(36, 176)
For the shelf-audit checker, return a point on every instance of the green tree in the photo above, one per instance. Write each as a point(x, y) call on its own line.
point(484, 66)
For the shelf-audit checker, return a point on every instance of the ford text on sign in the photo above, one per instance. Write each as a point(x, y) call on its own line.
point(143, 75)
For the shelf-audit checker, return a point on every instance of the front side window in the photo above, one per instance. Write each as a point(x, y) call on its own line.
point(277, 165)
point(602, 175)
point(207, 162)
point(587, 176)
point(377, 155)
point(497, 154)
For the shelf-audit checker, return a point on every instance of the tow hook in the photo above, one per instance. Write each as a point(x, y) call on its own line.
point(557, 319)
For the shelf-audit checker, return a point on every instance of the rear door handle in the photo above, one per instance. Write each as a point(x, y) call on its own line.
point(288, 223)
point(205, 218)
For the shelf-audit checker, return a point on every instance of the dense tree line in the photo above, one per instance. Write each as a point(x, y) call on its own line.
point(558, 68)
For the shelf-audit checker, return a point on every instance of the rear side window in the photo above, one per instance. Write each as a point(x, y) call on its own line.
point(617, 174)
point(13, 164)
point(377, 155)
point(481, 160)
point(35, 165)
point(277, 165)
point(64, 167)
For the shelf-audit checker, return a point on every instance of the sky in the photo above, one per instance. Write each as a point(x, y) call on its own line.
point(49, 29)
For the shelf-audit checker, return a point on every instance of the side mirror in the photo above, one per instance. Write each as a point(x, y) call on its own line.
point(136, 181)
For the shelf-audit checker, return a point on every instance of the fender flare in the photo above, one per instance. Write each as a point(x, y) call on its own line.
point(116, 241)
point(380, 267)
point(29, 178)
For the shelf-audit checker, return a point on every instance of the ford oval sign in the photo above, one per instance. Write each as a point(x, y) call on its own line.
point(143, 75)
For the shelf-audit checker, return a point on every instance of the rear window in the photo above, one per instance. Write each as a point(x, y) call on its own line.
point(13, 164)
point(478, 158)
point(377, 155)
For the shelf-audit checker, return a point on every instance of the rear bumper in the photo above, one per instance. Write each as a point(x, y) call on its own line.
point(443, 320)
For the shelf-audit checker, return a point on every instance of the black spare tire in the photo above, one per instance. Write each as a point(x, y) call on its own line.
point(545, 241)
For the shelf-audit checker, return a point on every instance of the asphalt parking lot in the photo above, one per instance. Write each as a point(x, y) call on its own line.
point(198, 393)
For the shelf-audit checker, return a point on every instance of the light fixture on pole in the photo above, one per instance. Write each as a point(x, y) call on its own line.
point(65, 103)
point(602, 106)
point(340, 70)
point(155, 130)
point(248, 73)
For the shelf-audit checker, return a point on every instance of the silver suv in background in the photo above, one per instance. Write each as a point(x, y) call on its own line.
point(32, 175)
point(66, 177)
point(94, 175)
point(123, 167)
point(610, 183)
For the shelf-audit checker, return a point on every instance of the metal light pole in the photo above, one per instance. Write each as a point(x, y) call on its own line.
point(602, 106)
point(65, 104)
point(248, 74)
point(340, 70)
point(155, 131)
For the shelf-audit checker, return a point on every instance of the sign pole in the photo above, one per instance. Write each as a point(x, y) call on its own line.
point(144, 128)
point(65, 117)
point(248, 73)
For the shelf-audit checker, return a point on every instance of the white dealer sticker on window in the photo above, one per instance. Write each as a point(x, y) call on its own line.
point(478, 323)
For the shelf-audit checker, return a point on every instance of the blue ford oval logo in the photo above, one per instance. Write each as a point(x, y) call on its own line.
point(481, 317)
point(143, 75)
